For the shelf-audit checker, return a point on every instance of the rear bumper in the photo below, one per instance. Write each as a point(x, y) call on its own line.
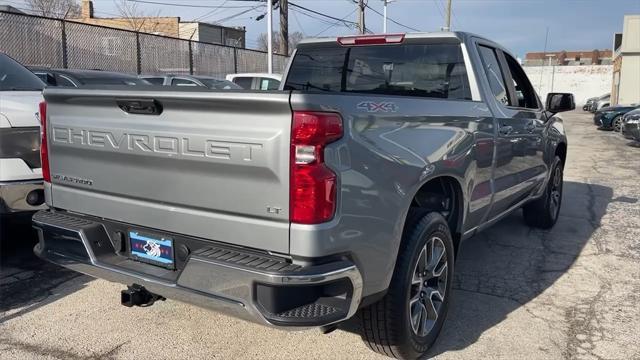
point(248, 285)
point(13, 196)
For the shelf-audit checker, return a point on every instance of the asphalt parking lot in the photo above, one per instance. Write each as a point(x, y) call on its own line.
point(569, 293)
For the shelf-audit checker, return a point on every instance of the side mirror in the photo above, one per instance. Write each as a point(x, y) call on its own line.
point(558, 102)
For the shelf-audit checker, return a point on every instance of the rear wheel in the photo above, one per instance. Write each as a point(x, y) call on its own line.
point(543, 212)
point(405, 323)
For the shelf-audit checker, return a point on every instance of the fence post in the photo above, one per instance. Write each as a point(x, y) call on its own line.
point(138, 56)
point(64, 44)
point(190, 59)
point(235, 60)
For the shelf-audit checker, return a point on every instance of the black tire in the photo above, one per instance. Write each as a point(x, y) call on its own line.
point(616, 124)
point(386, 325)
point(543, 212)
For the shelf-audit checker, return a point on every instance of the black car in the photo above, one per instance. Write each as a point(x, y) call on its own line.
point(610, 118)
point(631, 125)
point(78, 78)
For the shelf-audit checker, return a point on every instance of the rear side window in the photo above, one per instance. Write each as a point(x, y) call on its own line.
point(494, 74)
point(269, 84)
point(183, 82)
point(155, 80)
point(15, 77)
point(243, 82)
point(424, 70)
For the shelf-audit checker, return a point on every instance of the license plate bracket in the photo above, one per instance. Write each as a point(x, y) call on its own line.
point(155, 249)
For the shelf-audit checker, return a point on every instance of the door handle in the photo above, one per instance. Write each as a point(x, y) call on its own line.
point(506, 129)
point(140, 106)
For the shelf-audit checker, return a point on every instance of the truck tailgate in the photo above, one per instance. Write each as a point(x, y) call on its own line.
point(213, 165)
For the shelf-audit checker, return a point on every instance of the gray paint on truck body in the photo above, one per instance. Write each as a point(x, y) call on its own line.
point(382, 161)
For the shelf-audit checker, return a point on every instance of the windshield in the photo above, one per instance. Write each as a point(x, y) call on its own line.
point(219, 84)
point(425, 70)
point(15, 77)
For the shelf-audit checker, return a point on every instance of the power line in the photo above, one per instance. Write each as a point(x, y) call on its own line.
point(320, 14)
point(231, 17)
point(336, 23)
point(192, 5)
point(295, 17)
point(209, 13)
point(392, 20)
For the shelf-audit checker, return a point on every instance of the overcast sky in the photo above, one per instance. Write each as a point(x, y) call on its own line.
point(520, 25)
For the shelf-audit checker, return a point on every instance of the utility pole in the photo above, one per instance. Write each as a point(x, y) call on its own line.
point(384, 17)
point(448, 18)
point(269, 37)
point(284, 27)
point(361, 26)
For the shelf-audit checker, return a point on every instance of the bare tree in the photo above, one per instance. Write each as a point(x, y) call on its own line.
point(137, 18)
point(54, 8)
point(294, 39)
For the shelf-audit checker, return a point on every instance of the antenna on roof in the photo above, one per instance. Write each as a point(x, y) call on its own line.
point(546, 40)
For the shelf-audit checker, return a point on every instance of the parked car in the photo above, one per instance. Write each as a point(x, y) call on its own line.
point(602, 102)
point(256, 81)
point(631, 125)
point(20, 171)
point(78, 77)
point(191, 80)
point(588, 103)
point(610, 118)
point(350, 190)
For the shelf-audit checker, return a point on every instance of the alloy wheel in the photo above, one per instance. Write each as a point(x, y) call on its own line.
point(556, 192)
point(617, 125)
point(428, 286)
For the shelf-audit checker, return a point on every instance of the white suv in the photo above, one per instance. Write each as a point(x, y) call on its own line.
point(20, 172)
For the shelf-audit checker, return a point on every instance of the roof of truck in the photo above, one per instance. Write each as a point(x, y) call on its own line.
point(462, 36)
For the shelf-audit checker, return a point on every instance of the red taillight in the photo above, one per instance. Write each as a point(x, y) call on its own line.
point(371, 39)
point(313, 184)
point(44, 153)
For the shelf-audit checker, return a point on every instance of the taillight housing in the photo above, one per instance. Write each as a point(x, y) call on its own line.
point(44, 153)
point(313, 185)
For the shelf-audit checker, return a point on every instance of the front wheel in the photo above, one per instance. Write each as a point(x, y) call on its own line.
point(405, 323)
point(544, 211)
point(617, 123)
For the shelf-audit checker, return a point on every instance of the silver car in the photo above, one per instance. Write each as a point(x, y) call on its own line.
point(20, 170)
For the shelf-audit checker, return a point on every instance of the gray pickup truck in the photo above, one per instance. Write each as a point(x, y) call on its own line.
point(347, 192)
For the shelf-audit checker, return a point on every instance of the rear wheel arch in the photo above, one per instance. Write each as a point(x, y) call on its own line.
point(428, 197)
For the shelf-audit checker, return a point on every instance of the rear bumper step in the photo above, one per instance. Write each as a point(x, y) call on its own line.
point(257, 287)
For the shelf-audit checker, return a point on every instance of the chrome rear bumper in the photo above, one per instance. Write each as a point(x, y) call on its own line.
point(259, 288)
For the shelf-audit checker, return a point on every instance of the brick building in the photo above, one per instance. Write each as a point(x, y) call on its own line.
point(562, 58)
point(168, 26)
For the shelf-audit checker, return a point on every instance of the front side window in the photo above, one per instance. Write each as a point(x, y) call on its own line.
point(494, 74)
point(422, 70)
point(243, 82)
point(525, 94)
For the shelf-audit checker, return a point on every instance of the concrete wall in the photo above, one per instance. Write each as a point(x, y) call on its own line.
point(582, 81)
point(629, 88)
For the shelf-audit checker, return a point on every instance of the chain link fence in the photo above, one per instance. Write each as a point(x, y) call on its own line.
point(40, 41)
